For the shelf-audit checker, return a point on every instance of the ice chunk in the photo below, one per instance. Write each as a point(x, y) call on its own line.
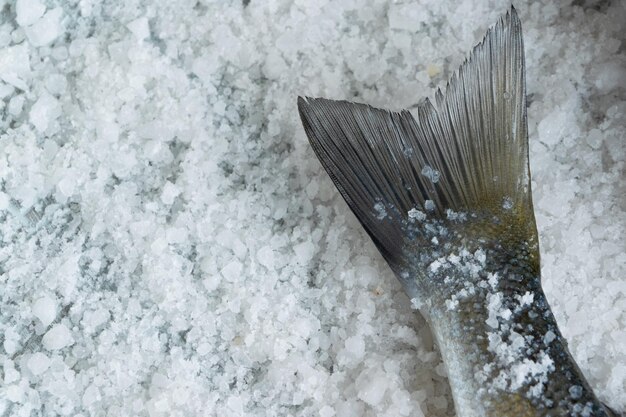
point(45, 309)
point(38, 363)
point(46, 29)
point(57, 338)
point(45, 110)
point(28, 11)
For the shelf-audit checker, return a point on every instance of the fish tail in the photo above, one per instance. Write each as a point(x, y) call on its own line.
point(468, 152)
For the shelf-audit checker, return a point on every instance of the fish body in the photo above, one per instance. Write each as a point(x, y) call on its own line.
point(447, 200)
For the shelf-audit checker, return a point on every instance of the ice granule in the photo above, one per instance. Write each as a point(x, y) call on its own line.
point(429, 205)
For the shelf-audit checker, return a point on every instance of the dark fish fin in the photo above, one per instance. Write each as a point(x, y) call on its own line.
point(468, 153)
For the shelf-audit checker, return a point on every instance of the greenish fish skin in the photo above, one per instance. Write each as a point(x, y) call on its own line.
point(446, 197)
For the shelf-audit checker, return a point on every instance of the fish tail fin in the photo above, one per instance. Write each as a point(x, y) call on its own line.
point(466, 153)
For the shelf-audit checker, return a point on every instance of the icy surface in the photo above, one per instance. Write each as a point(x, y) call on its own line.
point(171, 246)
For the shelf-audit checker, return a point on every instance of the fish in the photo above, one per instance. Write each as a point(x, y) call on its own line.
point(446, 198)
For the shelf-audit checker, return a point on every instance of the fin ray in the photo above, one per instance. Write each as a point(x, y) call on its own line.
point(470, 152)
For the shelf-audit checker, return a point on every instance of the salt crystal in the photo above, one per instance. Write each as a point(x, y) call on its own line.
point(274, 66)
point(372, 390)
point(429, 205)
point(432, 174)
point(575, 391)
point(139, 28)
point(46, 29)
point(549, 337)
point(235, 404)
point(355, 346)
point(416, 214)
point(16, 104)
point(265, 256)
point(169, 193)
point(38, 363)
point(45, 110)
point(381, 212)
point(232, 271)
point(28, 11)
point(304, 252)
point(327, 411)
point(91, 395)
point(57, 338)
point(15, 65)
point(45, 309)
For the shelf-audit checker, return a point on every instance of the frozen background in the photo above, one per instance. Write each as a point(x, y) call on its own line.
point(170, 246)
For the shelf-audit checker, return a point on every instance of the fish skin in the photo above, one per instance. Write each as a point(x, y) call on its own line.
point(463, 242)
